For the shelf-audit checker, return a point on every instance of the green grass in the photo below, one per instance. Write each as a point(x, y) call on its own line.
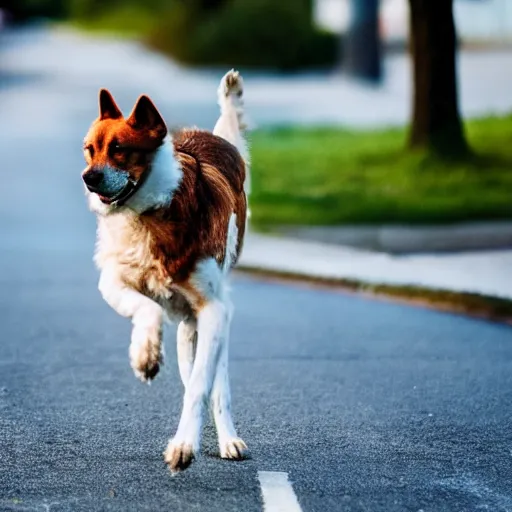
point(332, 176)
point(126, 21)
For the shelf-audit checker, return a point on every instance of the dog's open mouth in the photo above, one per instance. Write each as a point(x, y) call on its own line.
point(121, 196)
point(105, 200)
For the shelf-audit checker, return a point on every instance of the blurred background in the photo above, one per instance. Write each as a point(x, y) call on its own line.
point(364, 113)
point(381, 148)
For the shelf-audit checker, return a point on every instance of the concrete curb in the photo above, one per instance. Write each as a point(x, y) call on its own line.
point(481, 273)
point(409, 239)
point(476, 305)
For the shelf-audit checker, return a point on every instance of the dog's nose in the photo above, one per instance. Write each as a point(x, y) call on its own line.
point(93, 177)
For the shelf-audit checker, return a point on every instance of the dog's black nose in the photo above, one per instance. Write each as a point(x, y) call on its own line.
point(92, 178)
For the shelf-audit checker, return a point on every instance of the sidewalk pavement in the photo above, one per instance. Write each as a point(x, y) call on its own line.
point(468, 236)
point(485, 272)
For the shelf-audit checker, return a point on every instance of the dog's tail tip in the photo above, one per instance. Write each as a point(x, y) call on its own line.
point(232, 84)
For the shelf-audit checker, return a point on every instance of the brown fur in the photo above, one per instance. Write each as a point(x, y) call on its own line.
point(194, 226)
point(170, 241)
point(171, 221)
point(124, 143)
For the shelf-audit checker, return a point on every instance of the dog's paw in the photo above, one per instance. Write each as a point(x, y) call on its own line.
point(179, 456)
point(145, 352)
point(231, 84)
point(234, 449)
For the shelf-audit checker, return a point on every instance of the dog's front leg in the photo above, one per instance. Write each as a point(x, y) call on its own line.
point(186, 339)
point(212, 321)
point(147, 317)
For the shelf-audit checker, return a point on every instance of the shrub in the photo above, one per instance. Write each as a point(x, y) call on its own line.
point(90, 11)
point(245, 33)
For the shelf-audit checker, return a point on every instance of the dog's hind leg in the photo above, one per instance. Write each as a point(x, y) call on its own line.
point(231, 123)
point(211, 334)
point(230, 445)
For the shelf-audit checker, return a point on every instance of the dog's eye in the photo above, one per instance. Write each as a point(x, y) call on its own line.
point(116, 148)
point(89, 151)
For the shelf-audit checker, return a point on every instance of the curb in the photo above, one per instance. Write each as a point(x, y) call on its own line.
point(409, 239)
point(483, 307)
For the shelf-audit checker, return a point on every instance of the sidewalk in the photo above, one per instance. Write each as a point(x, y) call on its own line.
point(468, 236)
point(486, 272)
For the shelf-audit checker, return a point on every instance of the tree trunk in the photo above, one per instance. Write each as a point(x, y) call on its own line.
point(362, 49)
point(436, 122)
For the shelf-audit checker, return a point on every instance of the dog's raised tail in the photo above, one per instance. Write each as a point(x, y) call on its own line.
point(231, 124)
point(230, 96)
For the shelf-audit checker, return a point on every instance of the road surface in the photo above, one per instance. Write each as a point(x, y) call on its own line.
point(365, 405)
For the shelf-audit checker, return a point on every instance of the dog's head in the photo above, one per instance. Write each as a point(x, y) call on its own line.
point(119, 150)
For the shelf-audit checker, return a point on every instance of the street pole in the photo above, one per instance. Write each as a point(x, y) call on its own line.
point(362, 49)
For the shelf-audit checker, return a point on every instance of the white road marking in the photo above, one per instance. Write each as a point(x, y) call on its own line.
point(278, 494)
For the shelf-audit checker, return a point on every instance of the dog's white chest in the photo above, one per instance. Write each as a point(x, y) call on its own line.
point(124, 244)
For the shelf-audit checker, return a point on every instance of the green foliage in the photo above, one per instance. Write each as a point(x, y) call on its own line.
point(266, 34)
point(128, 20)
point(245, 33)
point(335, 176)
point(91, 11)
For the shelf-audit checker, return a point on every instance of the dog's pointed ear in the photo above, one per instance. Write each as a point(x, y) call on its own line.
point(108, 107)
point(145, 116)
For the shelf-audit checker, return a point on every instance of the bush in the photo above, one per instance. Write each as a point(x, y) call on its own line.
point(93, 11)
point(245, 33)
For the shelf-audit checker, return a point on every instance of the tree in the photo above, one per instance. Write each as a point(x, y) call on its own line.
point(362, 51)
point(436, 123)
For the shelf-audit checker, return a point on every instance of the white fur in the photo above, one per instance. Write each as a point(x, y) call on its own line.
point(186, 345)
point(230, 445)
point(208, 279)
point(123, 255)
point(212, 322)
point(231, 123)
point(203, 361)
point(208, 378)
point(147, 316)
point(164, 178)
point(231, 243)
point(96, 205)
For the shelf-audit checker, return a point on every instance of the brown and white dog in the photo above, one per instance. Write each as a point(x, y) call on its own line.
point(171, 215)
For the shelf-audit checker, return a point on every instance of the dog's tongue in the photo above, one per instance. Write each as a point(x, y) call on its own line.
point(104, 199)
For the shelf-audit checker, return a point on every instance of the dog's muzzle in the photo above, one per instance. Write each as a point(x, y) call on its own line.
point(111, 185)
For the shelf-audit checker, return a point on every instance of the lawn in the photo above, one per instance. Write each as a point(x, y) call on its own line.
point(329, 176)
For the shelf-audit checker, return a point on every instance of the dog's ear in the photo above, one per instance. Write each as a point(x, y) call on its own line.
point(108, 107)
point(145, 116)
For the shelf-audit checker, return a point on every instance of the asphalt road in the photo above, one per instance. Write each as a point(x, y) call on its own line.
point(367, 405)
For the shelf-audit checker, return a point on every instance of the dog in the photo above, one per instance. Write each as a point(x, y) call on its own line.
point(171, 211)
